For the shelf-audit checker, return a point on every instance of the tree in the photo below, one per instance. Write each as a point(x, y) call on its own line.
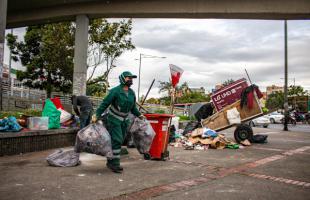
point(275, 101)
point(167, 87)
point(153, 101)
point(183, 93)
point(47, 52)
point(193, 97)
point(296, 91)
point(107, 42)
point(227, 82)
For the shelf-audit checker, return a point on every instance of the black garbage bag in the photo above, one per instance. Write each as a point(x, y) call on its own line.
point(204, 111)
point(259, 138)
point(192, 125)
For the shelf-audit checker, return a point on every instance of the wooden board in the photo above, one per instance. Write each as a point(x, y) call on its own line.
point(219, 120)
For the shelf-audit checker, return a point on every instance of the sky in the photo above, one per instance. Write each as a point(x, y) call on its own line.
point(211, 51)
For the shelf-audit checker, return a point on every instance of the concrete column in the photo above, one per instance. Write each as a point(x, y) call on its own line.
point(3, 10)
point(80, 55)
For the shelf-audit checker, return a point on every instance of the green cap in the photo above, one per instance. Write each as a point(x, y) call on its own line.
point(128, 74)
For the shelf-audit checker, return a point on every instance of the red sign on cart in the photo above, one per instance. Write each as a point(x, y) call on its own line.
point(228, 94)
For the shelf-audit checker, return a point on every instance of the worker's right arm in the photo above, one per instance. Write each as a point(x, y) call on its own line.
point(75, 108)
point(105, 104)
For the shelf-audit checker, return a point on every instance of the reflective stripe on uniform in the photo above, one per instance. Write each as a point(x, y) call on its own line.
point(116, 151)
point(116, 156)
point(119, 113)
point(117, 117)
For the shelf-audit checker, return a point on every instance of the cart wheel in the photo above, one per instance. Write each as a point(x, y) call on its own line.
point(147, 156)
point(243, 132)
point(165, 156)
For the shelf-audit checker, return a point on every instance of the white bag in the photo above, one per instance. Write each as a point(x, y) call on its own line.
point(233, 116)
point(64, 115)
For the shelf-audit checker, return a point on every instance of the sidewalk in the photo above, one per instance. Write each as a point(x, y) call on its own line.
point(278, 169)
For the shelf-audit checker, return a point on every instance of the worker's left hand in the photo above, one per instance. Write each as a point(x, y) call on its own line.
point(142, 117)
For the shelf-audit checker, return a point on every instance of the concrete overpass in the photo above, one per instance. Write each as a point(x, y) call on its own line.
point(17, 13)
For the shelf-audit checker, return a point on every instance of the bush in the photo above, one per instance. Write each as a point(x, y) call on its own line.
point(184, 118)
point(159, 111)
point(17, 114)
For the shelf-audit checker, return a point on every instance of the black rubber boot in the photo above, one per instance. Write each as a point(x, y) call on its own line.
point(115, 169)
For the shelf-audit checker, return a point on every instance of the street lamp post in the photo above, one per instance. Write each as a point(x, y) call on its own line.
point(140, 61)
point(285, 78)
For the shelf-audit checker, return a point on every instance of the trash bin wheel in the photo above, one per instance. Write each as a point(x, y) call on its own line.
point(243, 132)
point(165, 156)
point(147, 156)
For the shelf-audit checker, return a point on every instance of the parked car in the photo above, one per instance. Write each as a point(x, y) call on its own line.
point(275, 117)
point(260, 121)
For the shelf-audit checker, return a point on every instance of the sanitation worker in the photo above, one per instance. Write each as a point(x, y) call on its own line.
point(120, 101)
point(86, 109)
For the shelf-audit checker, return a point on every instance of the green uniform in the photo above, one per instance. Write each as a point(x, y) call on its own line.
point(121, 102)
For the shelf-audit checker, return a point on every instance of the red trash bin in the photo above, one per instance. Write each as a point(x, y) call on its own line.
point(159, 145)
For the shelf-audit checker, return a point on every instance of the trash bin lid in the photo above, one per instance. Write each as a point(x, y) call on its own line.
point(157, 115)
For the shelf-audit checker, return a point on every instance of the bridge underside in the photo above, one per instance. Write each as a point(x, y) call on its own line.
point(23, 13)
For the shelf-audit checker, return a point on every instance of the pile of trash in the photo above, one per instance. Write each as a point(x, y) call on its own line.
point(203, 139)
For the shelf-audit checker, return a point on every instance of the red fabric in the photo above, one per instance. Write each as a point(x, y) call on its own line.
point(258, 92)
point(175, 79)
point(57, 102)
point(250, 100)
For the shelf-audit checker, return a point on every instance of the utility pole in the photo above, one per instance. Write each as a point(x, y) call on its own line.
point(285, 78)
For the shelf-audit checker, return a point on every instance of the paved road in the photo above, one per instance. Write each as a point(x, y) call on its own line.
point(278, 169)
point(298, 127)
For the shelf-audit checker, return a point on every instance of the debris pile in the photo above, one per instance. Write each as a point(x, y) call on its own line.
point(203, 139)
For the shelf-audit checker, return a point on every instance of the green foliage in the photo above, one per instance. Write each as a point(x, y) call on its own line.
point(96, 89)
point(183, 118)
point(47, 52)
point(153, 101)
point(296, 91)
point(107, 42)
point(165, 100)
point(193, 97)
point(265, 110)
point(159, 111)
point(275, 101)
point(18, 114)
point(227, 82)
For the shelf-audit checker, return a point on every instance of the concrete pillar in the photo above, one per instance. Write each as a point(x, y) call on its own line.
point(3, 9)
point(80, 55)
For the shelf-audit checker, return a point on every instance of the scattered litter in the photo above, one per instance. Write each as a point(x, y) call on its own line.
point(120, 180)
point(245, 142)
point(203, 139)
point(81, 174)
point(43, 189)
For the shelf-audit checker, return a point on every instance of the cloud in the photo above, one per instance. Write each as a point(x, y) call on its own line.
point(211, 51)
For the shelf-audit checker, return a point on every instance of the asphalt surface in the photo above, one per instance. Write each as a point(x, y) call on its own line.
point(297, 127)
point(278, 169)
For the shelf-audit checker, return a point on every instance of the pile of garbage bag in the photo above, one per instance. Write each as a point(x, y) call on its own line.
point(203, 139)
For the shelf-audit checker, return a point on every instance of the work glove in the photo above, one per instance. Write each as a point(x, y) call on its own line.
point(142, 117)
